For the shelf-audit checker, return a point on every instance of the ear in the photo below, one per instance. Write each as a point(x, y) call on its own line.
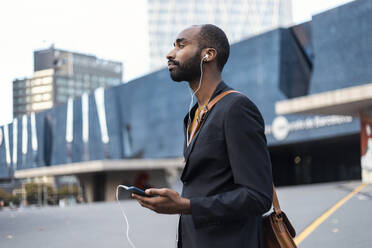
point(209, 54)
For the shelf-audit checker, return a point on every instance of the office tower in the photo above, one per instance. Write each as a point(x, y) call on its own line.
point(59, 75)
point(238, 18)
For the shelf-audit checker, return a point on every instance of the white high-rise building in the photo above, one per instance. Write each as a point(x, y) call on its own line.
point(239, 19)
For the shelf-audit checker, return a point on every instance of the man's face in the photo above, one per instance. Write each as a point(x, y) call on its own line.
point(184, 59)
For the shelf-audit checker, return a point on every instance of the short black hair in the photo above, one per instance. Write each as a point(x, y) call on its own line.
point(212, 36)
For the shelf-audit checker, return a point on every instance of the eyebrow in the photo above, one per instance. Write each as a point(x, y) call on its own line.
point(179, 40)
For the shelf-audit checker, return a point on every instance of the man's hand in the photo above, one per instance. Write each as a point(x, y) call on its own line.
point(166, 201)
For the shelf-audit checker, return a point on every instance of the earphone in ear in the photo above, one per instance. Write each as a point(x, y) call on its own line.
point(203, 60)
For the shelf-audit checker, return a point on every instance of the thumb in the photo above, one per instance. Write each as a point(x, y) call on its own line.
point(161, 192)
point(153, 191)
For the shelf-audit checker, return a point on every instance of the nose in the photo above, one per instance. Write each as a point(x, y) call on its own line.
point(171, 55)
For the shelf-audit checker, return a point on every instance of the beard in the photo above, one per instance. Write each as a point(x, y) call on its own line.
point(187, 71)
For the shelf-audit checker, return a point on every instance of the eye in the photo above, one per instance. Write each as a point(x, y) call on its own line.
point(181, 45)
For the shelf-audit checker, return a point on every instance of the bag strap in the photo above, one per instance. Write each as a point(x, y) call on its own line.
point(205, 110)
point(276, 205)
point(219, 97)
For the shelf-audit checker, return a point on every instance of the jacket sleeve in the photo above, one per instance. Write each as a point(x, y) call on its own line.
point(251, 168)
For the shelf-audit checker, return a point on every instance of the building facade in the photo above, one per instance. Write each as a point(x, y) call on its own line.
point(138, 125)
point(240, 19)
point(59, 75)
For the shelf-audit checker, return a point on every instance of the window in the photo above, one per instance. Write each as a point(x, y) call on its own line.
point(117, 69)
point(41, 89)
point(61, 82)
point(37, 98)
point(78, 91)
point(61, 90)
point(47, 80)
point(21, 108)
point(20, 100)
point(62, 98)
point(79, 77)
point(42, 105)
point(16, 85)
point(47, 96)
point(36, 82)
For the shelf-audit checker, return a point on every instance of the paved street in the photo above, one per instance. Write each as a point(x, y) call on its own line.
point(102, 225)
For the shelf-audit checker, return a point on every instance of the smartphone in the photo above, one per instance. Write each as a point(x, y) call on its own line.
point(136, 190)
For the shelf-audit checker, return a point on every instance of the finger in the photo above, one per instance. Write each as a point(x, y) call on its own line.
point(147, 206)
point(137, 197)
point(143, 199)
point(148, 200)
point(154, 191)
point(142, 202)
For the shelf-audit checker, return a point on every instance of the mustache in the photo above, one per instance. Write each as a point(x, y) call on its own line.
point(173, 62)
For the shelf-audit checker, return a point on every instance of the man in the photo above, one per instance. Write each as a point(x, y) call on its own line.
point(227, 181)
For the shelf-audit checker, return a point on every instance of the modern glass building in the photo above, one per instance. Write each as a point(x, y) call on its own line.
point(59, 75)
point(240, 19)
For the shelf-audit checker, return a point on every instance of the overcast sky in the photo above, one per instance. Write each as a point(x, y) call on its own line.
point(110, 29)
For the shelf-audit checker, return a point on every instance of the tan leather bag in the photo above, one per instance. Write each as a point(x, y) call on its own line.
point(278, 231)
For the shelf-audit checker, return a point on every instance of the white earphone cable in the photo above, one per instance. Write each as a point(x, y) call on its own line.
point(187, 133)
point(125, 216)
point(192, 98)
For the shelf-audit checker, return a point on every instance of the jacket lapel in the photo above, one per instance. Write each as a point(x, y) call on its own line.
point(191, 145)
point(188, 149)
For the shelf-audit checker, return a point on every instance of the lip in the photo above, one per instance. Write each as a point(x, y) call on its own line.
point(171, 66)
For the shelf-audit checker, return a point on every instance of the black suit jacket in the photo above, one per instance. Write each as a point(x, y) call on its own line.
point(227, 177)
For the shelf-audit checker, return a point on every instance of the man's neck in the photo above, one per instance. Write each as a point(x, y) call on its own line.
point(207, 87)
